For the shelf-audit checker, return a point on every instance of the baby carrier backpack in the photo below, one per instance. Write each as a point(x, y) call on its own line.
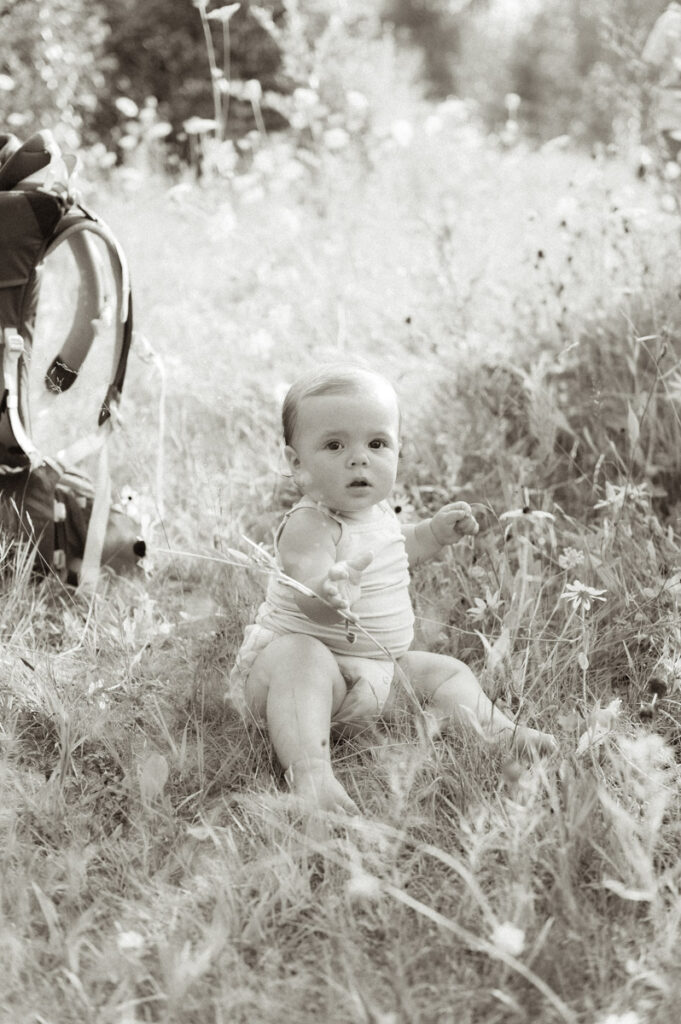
point(68, 523)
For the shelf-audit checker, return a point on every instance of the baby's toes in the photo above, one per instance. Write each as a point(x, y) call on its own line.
point(532, 741)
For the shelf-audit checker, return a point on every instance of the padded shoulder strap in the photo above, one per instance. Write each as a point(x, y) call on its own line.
point(77, 229)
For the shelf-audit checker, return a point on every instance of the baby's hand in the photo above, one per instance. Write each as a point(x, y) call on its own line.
point(341, 587)
point(453, 522)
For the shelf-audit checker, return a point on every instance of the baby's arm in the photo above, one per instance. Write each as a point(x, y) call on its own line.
point(307, 549)
point(426, 539)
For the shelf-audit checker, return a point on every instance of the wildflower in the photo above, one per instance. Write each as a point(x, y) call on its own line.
point(252, 91)
point(533, 516)
point(510, 132)
point(478, 610)
point(224, 14)
point(599, 723)
point(266, 21)
point(126, 106)
point(305, 99)
point(570, 558)
point(481, 605)
point(199, 125)
point(580, 596)
point(336, 139)
point(617, 494)
point(508, 938)
point(160, 130)
point(605, 716)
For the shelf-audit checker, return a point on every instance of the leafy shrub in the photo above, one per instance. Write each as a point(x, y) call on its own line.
point(576, 67)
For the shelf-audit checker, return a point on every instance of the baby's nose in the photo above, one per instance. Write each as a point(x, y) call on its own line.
point(359, 458)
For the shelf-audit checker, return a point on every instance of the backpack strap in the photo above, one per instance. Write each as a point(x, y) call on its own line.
point(91, 310)
point(76, 228)
point(37, 220)
point(12, 353)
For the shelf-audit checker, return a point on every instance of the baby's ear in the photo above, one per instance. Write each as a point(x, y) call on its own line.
point(291, 456)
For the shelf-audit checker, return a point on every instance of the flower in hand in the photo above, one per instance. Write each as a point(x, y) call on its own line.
point(453, 522)
point(341, 588)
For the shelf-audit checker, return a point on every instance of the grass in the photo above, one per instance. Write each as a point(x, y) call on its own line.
point(153, 867)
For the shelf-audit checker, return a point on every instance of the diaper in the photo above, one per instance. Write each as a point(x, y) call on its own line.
point(256, 639)
point(368, 680)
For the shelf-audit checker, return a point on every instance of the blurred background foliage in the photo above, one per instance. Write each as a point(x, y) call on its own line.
point(106, 72)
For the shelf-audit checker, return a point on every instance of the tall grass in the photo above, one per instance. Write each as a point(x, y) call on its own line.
point(153, 866)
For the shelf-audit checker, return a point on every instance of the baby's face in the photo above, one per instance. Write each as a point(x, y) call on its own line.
point(346, 446)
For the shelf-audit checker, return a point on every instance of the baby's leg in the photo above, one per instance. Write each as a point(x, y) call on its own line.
point(448, 686)
point(295, 683)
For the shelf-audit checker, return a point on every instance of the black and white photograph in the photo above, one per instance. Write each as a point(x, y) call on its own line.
point(340, 512)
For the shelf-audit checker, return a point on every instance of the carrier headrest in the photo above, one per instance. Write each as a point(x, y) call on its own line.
point(18, 162)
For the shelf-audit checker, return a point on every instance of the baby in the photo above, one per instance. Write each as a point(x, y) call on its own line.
point(329, 659)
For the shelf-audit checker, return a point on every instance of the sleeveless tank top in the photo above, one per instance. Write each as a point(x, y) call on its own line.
point(384, 608)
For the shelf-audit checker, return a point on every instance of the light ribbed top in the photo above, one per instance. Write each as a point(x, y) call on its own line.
point(384, 608)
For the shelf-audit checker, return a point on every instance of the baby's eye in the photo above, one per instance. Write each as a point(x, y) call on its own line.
point(377, 443)
point(333, 446)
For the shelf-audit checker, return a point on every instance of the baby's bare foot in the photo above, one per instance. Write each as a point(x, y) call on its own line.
point(533, 741)
point(315, 784)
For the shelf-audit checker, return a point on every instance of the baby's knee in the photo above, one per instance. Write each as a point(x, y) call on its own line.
point(294, 661)
point(290, 664)
point(305, 652)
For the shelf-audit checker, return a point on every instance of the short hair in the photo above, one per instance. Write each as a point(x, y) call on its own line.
point(333, 379)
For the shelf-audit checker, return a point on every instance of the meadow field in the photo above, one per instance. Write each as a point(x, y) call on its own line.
point(525, 301)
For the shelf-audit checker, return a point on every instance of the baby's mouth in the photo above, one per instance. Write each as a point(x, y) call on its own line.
point(359, 482)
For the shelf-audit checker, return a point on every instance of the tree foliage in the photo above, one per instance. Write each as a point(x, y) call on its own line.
point(575, 64)
point(429, 25)
point(158, 49)
point(50, 65)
